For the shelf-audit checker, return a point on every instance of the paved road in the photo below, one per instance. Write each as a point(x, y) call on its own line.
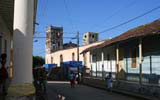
point(81, 92)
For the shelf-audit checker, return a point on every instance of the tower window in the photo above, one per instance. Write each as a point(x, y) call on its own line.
point(58, 44)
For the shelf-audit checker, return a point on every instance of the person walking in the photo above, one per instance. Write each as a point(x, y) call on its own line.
point(43, 79)
point(109, 82)
point(3, 73)
point(72, 79)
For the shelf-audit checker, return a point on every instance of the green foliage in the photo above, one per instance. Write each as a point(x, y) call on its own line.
point(37, 60)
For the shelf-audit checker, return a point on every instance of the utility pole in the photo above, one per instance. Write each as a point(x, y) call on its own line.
point(78, 67)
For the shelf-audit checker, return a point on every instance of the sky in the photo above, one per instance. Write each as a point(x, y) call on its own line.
point(90, 16)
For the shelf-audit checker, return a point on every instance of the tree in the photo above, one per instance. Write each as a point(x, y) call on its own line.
point(38, 60)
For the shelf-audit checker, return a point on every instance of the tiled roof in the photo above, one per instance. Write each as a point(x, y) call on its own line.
point(152, 28)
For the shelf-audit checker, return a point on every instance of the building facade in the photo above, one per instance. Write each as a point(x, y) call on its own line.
point(69, 45)
point(89, 37)
point(102, 61)
point(54, 39)
point(127, 53)
point(70, 55)
point(133, 58)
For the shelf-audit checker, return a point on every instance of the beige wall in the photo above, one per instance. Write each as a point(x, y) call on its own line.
point(67, 55)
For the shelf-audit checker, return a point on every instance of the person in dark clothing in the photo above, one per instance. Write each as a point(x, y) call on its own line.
point(43, 79)
point(40, 78)
point(3, 73)
point(72, 79)
point(35, 76)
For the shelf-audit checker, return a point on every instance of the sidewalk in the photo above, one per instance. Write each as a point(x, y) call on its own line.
point(40, 95)
point(83, 92)
point(3, 97)
point(101, 84)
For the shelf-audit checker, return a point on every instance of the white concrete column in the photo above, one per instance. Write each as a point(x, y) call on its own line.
point(96, 65)
point(22, 41)
point(117, 61)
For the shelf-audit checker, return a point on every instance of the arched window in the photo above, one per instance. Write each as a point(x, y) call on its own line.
point(61, 58)
point(73, 57)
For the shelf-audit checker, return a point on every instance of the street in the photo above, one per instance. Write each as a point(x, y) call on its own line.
point(57, 89)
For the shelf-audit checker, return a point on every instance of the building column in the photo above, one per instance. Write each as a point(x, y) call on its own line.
point(117, 61)
point(96, 65)
point(84, 67)
point(140, 61)
point(22, 48)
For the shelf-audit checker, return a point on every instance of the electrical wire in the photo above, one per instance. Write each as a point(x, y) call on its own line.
point(63, 37)
point(45, 9)
point(68, 14)
point(115, 13)
point(128, 21)
point(62, 32)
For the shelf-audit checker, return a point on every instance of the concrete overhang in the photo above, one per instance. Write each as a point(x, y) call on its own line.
point(7, 15)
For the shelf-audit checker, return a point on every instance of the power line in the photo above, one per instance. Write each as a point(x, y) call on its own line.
point(42, 8)
point(130, 20)
point(68, 13)
point(40, 37)
point(115, 13)
point(62, 32)
point(63, 37)
point(45, 9)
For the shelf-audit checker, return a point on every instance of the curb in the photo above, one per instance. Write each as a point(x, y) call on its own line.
point(124, 93)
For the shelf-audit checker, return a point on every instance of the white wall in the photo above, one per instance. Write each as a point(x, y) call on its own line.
point(67, 55)
point(109, 65)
